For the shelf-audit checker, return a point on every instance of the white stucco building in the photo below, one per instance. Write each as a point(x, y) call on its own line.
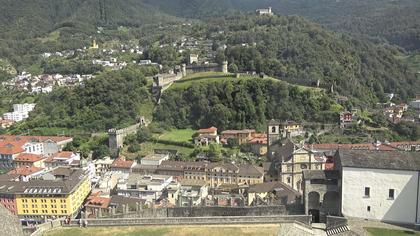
point(380, 185)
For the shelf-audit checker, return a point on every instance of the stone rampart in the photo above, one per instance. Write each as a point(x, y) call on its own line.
point(302, 219)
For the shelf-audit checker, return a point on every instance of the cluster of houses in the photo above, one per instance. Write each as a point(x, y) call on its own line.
point(322, 178)
point(45, 83)
point(20, 112)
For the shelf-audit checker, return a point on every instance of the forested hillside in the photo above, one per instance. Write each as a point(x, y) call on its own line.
point(242, 104)
point(302, 52)
point(113, 99)
point(395, 21)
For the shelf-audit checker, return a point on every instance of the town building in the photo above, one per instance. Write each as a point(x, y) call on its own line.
point(193, 59)
point(102, 165)
point(172, 194)
point(280, 130)
point(258, 144)
point(154, 159)
point(192, 192)
point(64, 158)
point(346, 119)
point(13, 145)
point(147, 187)
point(20, 112)
point(415, 104)
point(271, 193)
point(380, 185)
point(29, 159)
point(8, 191)
point(4, 124)
point(122, 165)
point(267, 11)
point(288, 160)
point(25, 173)
point(60, 194)
point(206, 136)
point(237, 137)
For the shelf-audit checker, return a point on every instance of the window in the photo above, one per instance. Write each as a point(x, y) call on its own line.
point(367, 192)
point(288, 180)
point(391, 193)
point(273, 129)
point(368, 208)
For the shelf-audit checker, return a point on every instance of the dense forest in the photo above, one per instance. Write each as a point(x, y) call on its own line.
point(242, 104)
point(395, 21)
point(112, 99)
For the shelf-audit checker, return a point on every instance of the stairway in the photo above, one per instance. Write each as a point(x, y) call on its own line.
point(337, 230)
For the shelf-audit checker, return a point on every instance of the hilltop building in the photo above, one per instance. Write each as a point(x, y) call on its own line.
point(264, 11)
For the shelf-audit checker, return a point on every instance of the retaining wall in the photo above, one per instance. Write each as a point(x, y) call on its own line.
point(302, 219)
point(207, 212)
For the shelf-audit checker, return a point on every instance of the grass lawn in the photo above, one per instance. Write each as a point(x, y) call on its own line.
point(219, 230)
point(389, 232)
point(147, 148)
point(179, 135)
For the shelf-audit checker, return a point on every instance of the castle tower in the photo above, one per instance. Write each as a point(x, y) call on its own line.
point(184, 70)
point(273, 135)
point(225, 67)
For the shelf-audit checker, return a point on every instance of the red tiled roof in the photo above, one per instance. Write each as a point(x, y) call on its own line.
point(404, 143)
point(11, 148)
point(28, 157)
point(24, 171)
point(243, 131)
point(94, 200)
point(13, 138)
point(120, 162)
point(208, 130)
point(358, 146)
point(64, 154)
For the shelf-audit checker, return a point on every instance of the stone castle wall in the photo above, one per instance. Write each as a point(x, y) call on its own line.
point(116, 137)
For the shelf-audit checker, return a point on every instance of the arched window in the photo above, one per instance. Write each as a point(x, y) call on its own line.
point(273, 129)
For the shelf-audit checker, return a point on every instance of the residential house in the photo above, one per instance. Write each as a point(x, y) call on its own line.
point(172, 193)
point(4, 124)
point(13, 145)
point(29, 159)
point(206, 136)
point(122, 165)
point(64, 158)
point(258, 144)
point(102, 165)
point(192, 192)
point(346, 119)
point(25, 173)
point(237, 137)
point(415, 104)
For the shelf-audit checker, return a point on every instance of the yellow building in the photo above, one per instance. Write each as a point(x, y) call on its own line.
point(94, 45)
point(60, 194)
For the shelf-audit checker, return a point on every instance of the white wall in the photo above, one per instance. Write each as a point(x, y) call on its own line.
point(402, 209)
